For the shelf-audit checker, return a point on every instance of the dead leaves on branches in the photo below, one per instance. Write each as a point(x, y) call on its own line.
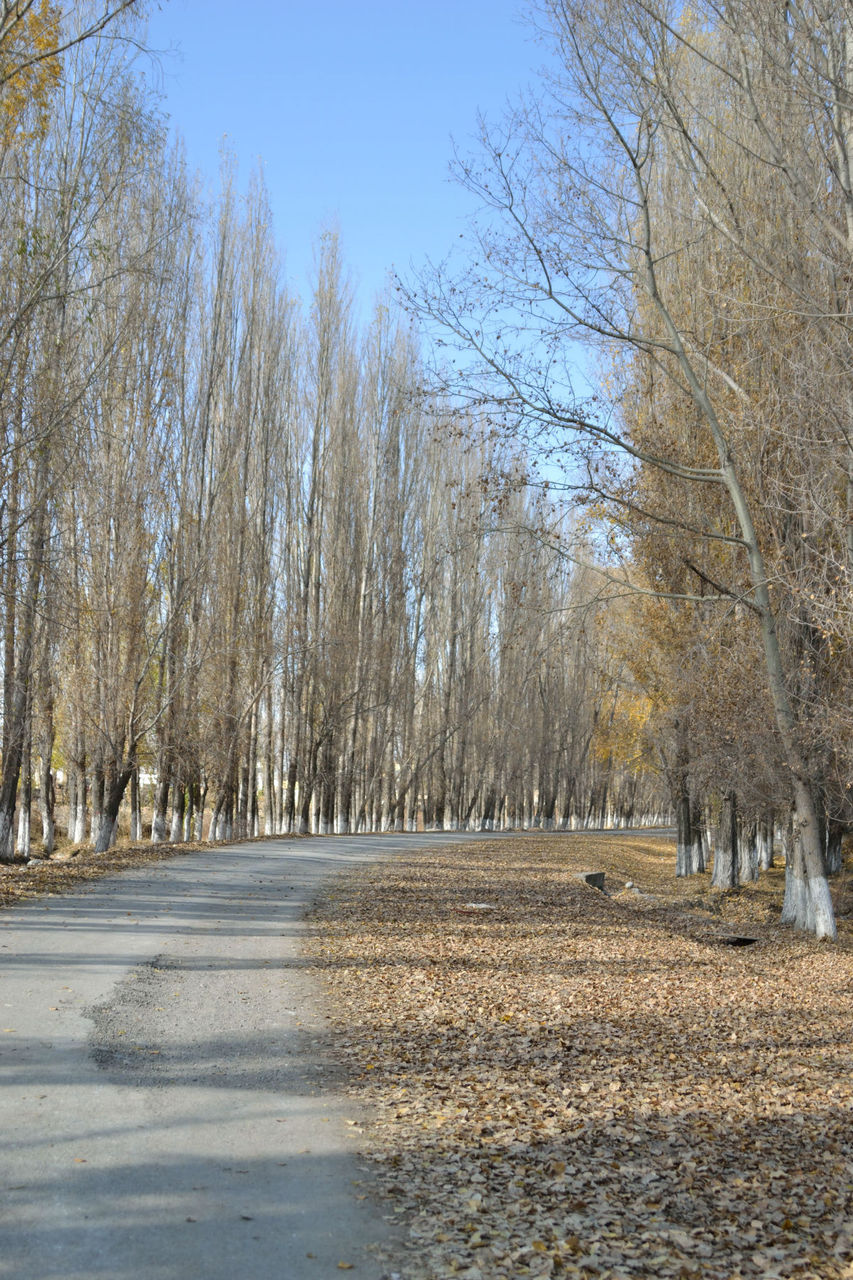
point(576, 1085)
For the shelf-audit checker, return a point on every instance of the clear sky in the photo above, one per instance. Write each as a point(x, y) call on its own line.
point(350, 106)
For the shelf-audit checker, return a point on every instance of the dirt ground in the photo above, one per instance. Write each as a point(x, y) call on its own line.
point(571, 1084)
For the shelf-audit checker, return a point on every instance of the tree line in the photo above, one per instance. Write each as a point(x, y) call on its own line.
point(254, 576)
point(676, 201)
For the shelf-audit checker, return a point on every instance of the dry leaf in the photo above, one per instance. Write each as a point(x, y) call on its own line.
point(550, 1090)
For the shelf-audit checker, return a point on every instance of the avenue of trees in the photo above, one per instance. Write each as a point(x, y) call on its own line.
point(263, 570)
point(254, 578)
point(678, 198)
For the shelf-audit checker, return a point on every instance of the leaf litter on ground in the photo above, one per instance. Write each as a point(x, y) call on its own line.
point(590, 1085)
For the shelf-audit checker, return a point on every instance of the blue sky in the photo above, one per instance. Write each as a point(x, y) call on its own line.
point(350, 106)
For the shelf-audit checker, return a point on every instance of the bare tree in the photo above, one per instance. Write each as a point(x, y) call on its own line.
point(583, 241)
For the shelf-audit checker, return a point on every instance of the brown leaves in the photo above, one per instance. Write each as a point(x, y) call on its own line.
point(573, 1085)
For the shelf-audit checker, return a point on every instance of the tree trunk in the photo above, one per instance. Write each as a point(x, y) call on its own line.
point(22, 849)
point(114, 789)
point(795, 905)
point(699, 852)
point(47, 790)
point(135, 808)
point(161, 804)
point(189, 815)
point(725, 874)
point(98, 792)
point(748, 854)
point(202, 801)
point(179, 800)
point(80, 807)
point(834, 837)
point(270, 796)
point(765, 843)
point(685, 840)
point(814, 910)
point(290, 799)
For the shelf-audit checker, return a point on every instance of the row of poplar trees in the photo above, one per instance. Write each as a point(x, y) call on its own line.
point(253, 579)
point(675, 201)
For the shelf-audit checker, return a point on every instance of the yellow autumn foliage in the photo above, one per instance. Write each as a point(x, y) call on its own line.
point(30, 69)
point(624, 736)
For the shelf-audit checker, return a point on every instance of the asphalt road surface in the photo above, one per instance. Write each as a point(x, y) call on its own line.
point(169, 1105)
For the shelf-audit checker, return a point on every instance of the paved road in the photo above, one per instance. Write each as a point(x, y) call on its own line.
point(168, 1108)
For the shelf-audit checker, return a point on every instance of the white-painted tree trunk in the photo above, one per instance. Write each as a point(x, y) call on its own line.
point(106, 833)
point(748, 856)
point(48, 833)
point(22, 845)
point(7, 835)
point(80, 817)
point(795, 905)
point(47, 800)
point(820, 916)
point(726, 858)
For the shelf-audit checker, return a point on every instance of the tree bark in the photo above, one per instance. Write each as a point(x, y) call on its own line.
point(726, 862)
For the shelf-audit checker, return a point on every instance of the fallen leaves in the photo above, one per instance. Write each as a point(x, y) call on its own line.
point(577, 1085)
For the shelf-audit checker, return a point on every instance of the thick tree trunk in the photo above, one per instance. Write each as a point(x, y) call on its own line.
point(685, 844)
point(114, 790)
point(98, 791)
point(726, 862)
point(7, 836)
point(16, 731)
point(814, 911)
point(795, 905)
point(305, 812)
point(748, 854)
